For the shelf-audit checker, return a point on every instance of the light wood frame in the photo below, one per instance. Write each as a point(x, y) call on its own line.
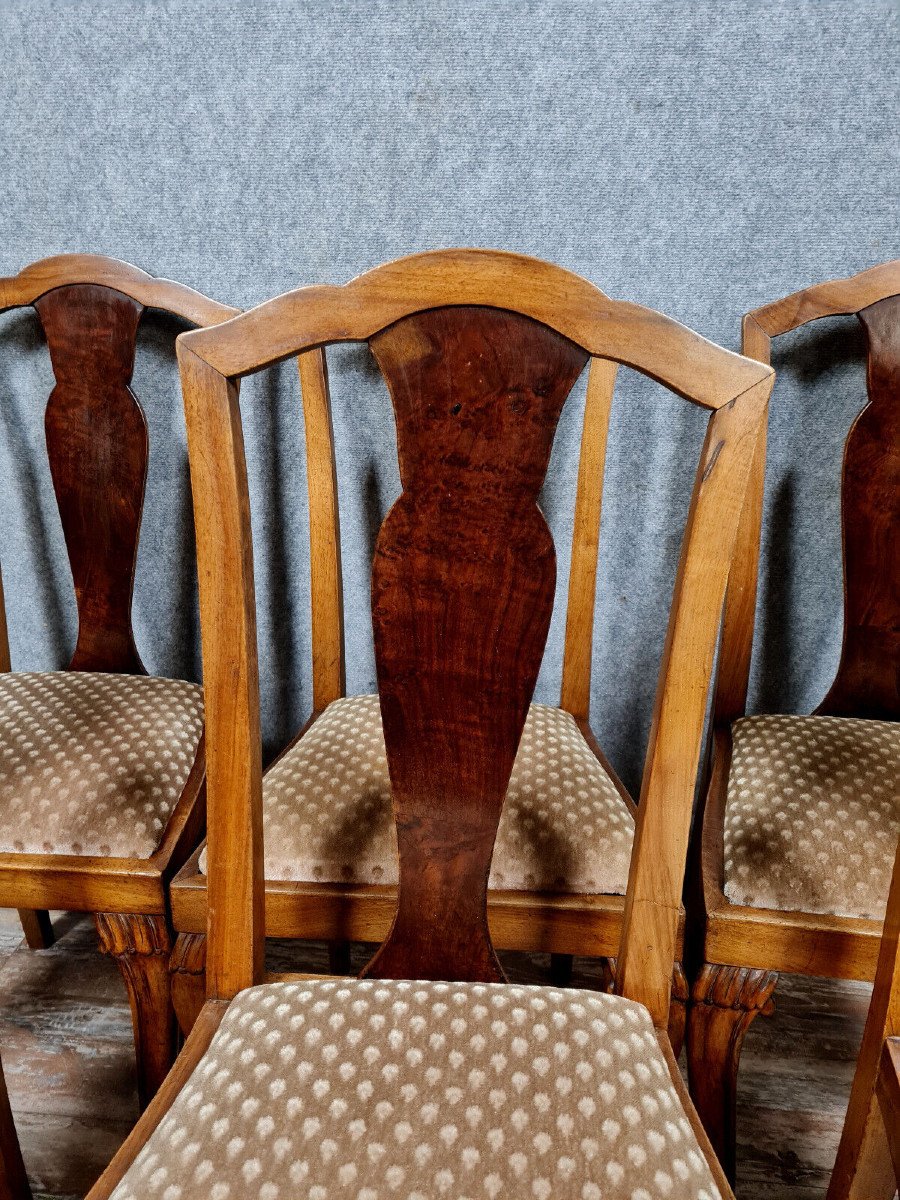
point(736, 390)
point(128, 896)
point(739, 949)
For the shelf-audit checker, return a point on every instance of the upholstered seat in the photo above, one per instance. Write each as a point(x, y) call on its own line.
point(371, 1090)
point(93, 764)
point(327, 808)
point(812, 814)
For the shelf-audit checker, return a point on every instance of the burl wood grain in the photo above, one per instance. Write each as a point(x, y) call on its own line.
point(462, 591)
point(867, 683)
point(98, 449)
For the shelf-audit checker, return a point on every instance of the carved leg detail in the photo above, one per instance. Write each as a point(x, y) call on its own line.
point(37, 928)
point(187, 976)
point(724, 1003)
point(141, 945)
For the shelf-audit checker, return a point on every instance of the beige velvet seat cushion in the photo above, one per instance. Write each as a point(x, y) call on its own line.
point(412, 1091)
point(812, 814)
point(327, 808)
point(93, 764)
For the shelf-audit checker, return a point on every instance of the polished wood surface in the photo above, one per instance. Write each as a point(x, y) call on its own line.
point(649, 341)
point(462, 592)
point(575, 693)
point(97, 442)
point(732, 937)
point(326, 593)
point(230, 676)
point(867, 683)
point(39, 278)
point(98, 448)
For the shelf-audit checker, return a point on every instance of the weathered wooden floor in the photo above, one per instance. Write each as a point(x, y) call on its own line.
point(65, 1035)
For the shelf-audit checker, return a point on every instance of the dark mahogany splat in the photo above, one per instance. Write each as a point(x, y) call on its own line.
point(98, 449)
point(462, 591)
point(868, 678)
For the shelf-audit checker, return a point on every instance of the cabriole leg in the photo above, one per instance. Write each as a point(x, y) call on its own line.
point(141, 945)
point(187, 974)
point(724, 1003)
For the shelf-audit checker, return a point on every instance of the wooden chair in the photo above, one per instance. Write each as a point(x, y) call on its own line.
point(101, 766)
point(802, 813)
point(560, 865)
point(868, 1159)
point(399, 1083)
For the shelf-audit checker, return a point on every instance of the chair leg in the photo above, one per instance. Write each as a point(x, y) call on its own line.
point(338, 958)
point(724, 1003)
point(141, 945)
point(13, 1179)
point(37, 928)
point(561, 967)
point(678, 1007)
point(187, 975)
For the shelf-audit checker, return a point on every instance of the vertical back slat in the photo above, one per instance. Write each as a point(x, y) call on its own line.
point(463, 580)
point(98, 449)
point(230, 677)
point(740, 598)
point(653, 899)
point(326, 592)
point(575, 695)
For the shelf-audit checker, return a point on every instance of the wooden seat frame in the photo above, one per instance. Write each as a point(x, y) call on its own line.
point(89, 307)
point(449, 770)
point(740, 949)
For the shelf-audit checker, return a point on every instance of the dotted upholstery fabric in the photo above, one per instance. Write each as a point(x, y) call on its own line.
point(382, 1090)
point(812, 814)
point(327, 808)
point(93, 764)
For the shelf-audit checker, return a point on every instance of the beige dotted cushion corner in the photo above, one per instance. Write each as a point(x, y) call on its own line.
point(411, 1091)
point(93, 764)
point(812, 814)
point(327, 808)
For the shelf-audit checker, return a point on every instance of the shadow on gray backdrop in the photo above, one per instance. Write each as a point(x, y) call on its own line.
point(25, 385)
point(819, 390)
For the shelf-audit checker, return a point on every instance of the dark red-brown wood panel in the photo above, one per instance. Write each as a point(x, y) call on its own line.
point(867, 683)
point(462, 592)
point(98, 449)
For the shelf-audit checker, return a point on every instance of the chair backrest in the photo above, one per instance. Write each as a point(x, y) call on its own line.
point(479, 350)
point(89, 307)
point(867, 683)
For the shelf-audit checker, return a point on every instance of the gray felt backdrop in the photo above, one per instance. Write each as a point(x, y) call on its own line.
point(700, 158)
